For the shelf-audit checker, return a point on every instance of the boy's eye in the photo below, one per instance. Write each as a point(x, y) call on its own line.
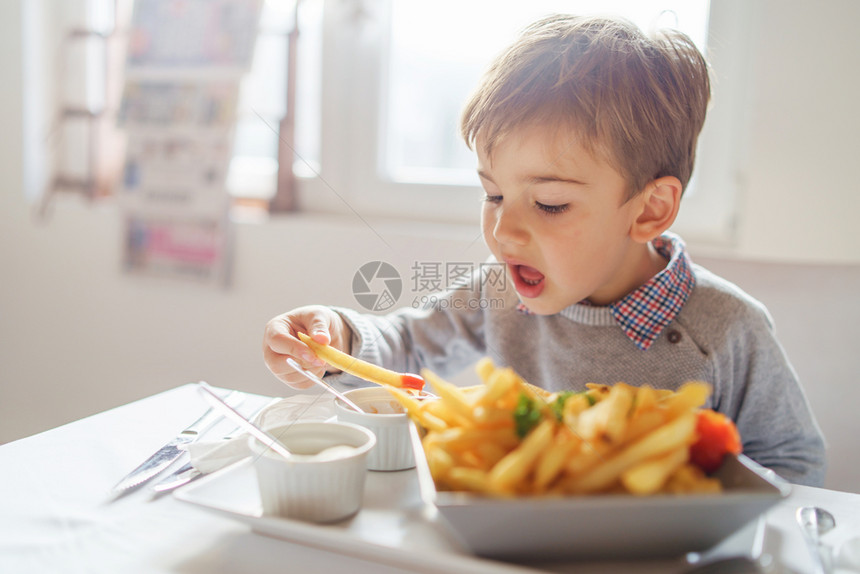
point(551, 209)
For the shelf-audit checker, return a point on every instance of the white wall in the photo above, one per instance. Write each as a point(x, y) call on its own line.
point(77, 336)
point(800, 200)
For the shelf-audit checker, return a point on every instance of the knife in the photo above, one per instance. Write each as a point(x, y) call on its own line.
point(167, 454)
point(187, 473)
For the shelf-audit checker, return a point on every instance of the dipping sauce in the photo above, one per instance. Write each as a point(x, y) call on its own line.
point(330, 453)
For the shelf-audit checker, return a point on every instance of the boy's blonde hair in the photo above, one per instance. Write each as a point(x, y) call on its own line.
point(635, 101)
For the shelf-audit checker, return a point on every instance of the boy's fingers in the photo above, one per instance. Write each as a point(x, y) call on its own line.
point(281, 342)
point(318, 329)
point(279, 336)
point(278, 349)
point(277, 364)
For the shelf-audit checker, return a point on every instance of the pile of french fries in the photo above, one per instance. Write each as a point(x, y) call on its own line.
point(508, 438)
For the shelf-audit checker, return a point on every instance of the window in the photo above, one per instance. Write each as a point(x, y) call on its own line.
point(396, 73)
point(420, 141)
point(263, 100)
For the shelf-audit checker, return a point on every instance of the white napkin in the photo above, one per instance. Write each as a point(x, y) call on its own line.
point(848, 555)
point(210, 455)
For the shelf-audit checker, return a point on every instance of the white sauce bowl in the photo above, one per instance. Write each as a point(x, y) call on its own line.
point(313, 488)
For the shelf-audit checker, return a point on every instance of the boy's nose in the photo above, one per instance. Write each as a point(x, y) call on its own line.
point(509, 227)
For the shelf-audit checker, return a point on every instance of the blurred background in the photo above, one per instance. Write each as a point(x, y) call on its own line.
point(157, 209)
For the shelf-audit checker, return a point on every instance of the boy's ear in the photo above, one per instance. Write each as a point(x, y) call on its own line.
point(658, 207)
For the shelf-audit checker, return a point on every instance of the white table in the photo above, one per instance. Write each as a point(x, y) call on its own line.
point(55, 515)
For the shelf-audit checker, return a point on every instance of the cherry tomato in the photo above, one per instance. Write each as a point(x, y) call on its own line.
point(718, 436)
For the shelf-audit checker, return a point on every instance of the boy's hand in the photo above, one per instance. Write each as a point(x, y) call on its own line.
point(281, 341)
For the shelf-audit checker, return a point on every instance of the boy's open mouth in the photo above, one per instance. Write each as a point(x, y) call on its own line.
point(528, 281)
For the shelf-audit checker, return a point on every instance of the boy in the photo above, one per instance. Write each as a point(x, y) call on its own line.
point(585, 131)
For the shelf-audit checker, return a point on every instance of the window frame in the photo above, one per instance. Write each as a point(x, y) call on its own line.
point(349, 179)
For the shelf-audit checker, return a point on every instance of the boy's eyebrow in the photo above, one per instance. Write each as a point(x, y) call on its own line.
point(537, 178)
point(553, 179)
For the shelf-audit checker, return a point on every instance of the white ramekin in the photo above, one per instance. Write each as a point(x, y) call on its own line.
point(311, 489)
point(385, 417)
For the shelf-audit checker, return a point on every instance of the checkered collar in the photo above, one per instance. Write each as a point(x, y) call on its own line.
point(644, 313)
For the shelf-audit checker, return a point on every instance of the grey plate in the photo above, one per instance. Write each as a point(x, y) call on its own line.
point(604, 526)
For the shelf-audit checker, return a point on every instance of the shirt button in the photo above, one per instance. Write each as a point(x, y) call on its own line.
point(674, 336)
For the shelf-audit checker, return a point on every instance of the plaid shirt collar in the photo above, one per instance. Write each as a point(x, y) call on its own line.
point(644, 313)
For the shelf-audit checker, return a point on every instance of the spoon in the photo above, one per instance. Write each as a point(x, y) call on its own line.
point(233, 414)
point(315, 379)
point(816, 522)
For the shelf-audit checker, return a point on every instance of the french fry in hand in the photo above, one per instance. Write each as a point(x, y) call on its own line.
point(362, 369)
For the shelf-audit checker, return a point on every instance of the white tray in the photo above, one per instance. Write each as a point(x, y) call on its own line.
point(395, 528)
